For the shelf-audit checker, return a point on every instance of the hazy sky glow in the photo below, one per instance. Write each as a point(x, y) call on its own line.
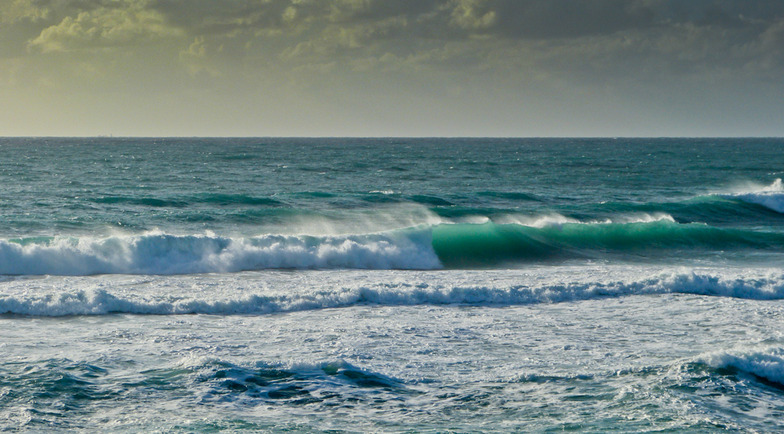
point(392, 67)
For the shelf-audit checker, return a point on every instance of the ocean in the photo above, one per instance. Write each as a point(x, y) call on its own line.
point(428, 284)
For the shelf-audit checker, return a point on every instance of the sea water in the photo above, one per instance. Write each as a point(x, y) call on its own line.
point(197, 284)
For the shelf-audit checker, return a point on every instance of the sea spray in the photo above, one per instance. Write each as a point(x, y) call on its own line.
point(460, 245)
point(771, 196)
point(159, 253)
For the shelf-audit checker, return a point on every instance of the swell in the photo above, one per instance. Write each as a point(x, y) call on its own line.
point(466, 245)
point(212, 199)
point(712, 209)
point(752, 203)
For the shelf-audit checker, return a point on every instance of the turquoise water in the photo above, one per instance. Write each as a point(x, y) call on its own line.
point(462, 202)
point(183, 284)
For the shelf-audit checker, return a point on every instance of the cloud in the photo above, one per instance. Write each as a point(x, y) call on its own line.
point(124, 23)
point(440, 53)
point(705, 32)
point(21, 10)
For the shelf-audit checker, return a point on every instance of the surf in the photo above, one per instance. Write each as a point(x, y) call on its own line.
point(161, 253)
point(543, 239)
point(268, 293)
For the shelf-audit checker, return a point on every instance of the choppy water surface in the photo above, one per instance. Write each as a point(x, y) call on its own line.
point(391, 284)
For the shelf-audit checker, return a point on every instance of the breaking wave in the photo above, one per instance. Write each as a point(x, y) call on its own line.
point(171, 254)
point(766, 364)
point(770, 196)
point(471, 245)
point(246, 296)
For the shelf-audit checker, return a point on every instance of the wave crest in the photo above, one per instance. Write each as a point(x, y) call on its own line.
point(171, 254)
point(770, 196)
point(460, 245)
point(767, 364)
point(266, 294)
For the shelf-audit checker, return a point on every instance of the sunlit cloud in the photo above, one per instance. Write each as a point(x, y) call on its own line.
point(553, 57)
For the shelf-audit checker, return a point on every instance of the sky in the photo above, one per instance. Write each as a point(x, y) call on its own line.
point(500, 68)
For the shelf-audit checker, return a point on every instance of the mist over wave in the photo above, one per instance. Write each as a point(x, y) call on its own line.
point(770, 196)
point(501, 242)
point(170, 254)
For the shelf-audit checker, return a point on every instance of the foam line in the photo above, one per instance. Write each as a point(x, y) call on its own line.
point(313, 292)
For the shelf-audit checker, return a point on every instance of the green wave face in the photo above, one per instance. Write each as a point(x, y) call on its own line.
point(477, 245)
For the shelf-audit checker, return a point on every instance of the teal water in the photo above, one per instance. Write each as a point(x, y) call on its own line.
point(263, 284)
point(484, 202)
point(141, 184)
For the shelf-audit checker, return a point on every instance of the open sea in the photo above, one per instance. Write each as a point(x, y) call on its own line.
point(344, 284)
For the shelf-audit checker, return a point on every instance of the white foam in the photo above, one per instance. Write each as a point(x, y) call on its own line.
point(554, 219)
point(156, 253)
point(540, 221)
point(645, 218)
point(270, 292)
point(767, 363)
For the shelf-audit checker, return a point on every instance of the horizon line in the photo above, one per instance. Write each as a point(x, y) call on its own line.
point(375, 137)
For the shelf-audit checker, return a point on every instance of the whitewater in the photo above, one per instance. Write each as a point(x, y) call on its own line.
point(391, 285)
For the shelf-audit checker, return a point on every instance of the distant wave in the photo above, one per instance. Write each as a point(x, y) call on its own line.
point(750, 205)
point(771, 196)
point(214, 199)
point(487, 244)
point(311, 292)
